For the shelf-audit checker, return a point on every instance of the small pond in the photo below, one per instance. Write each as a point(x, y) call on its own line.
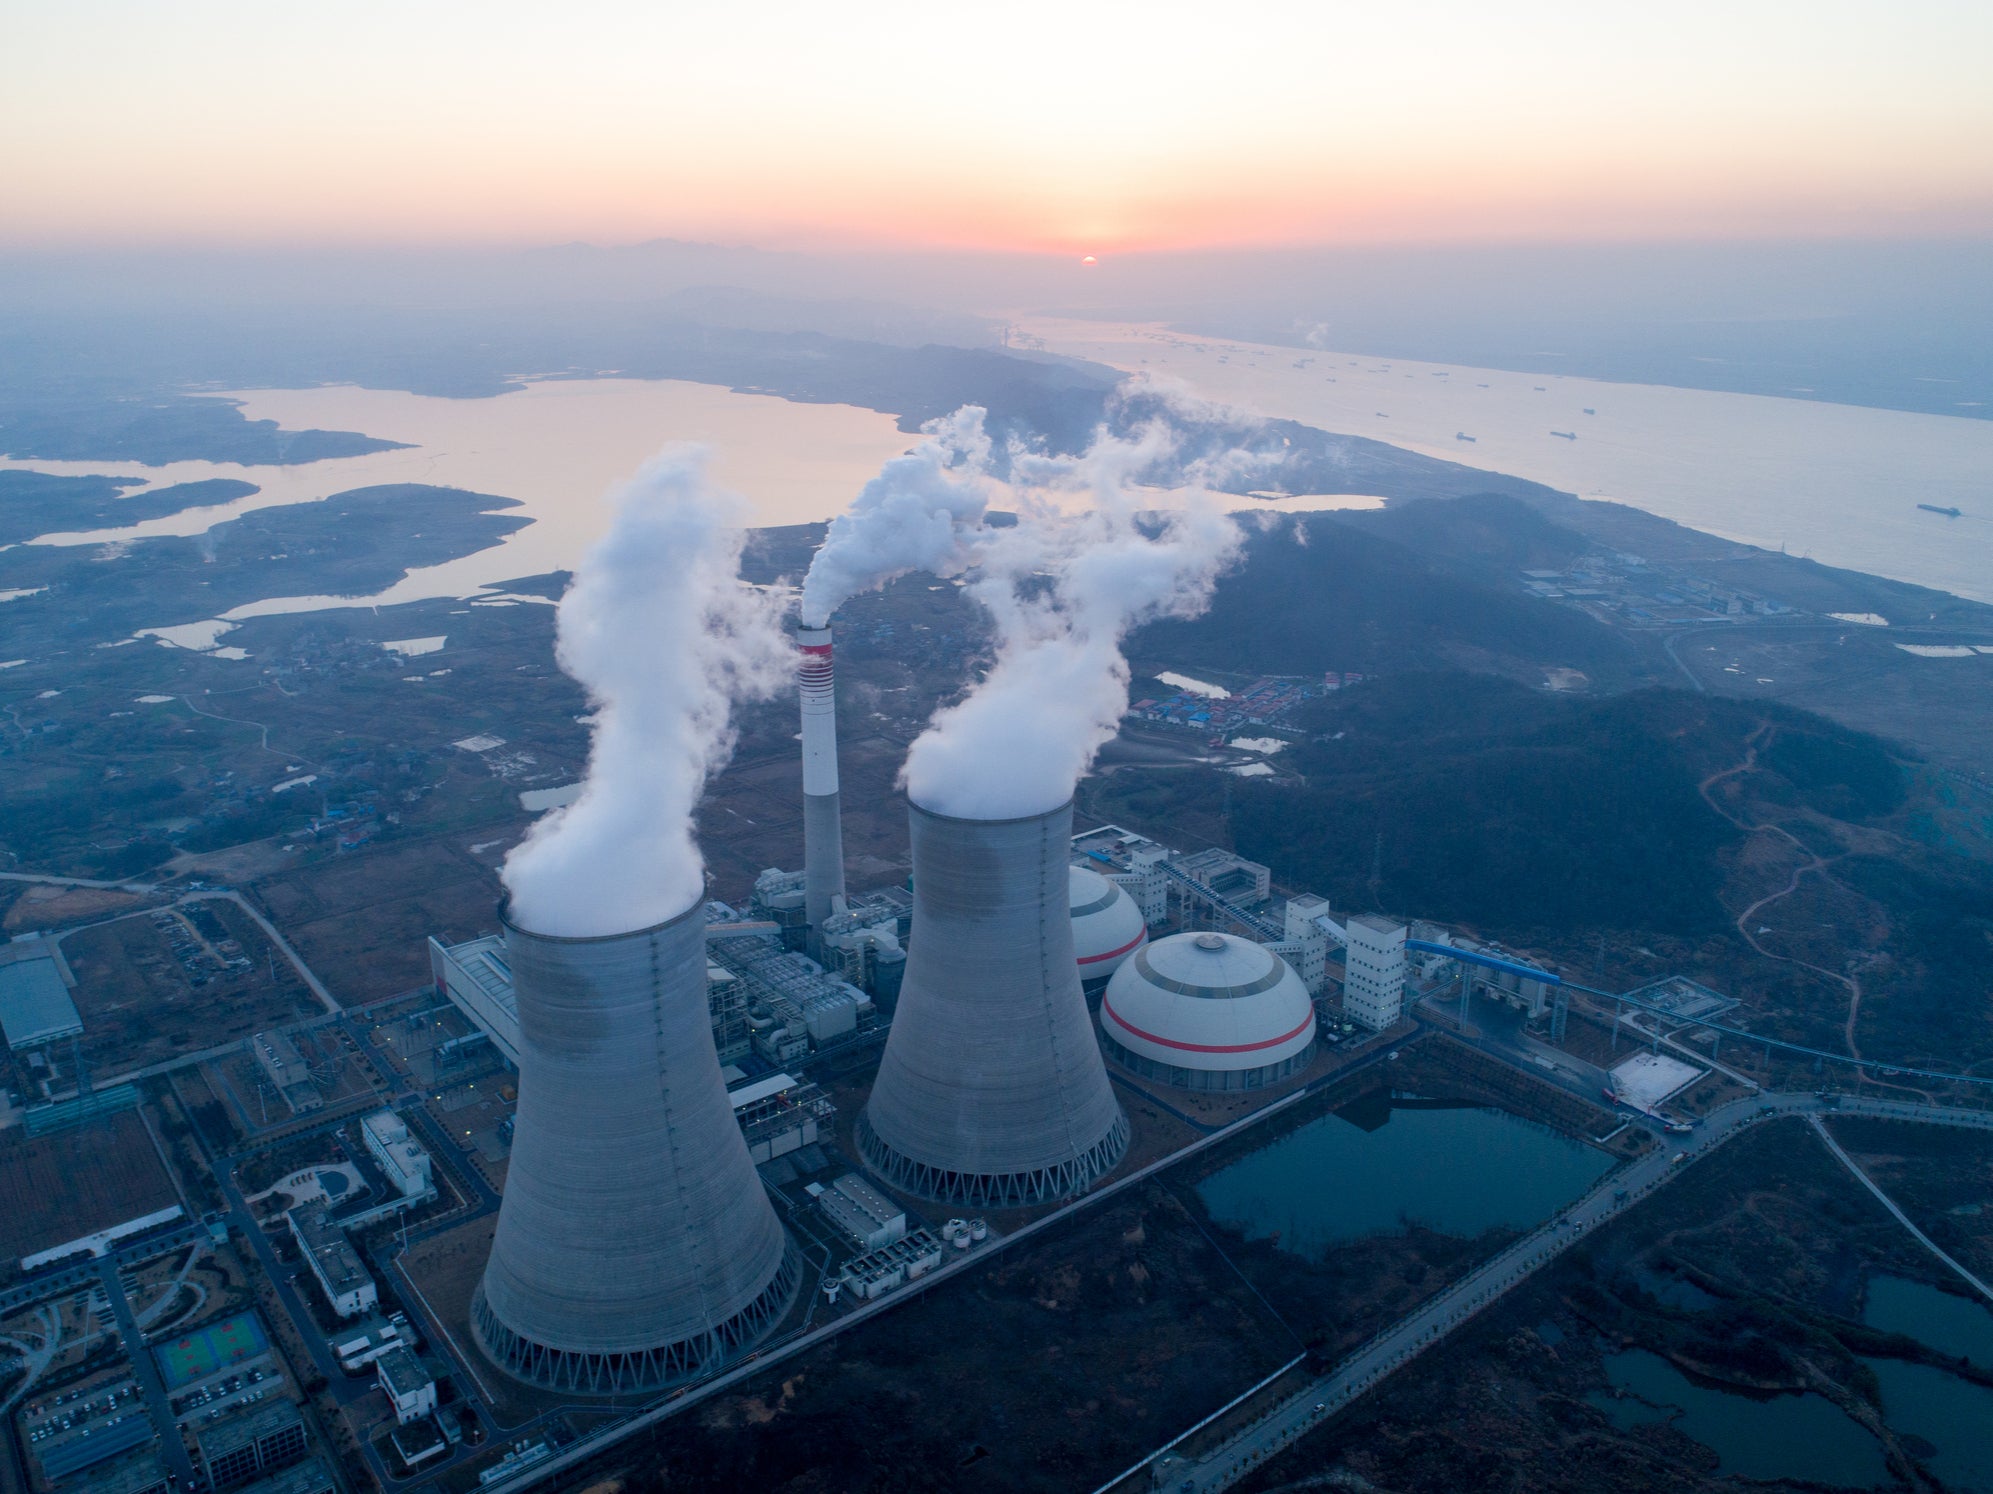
point(1382, 1164)
point(1954, 1417)
point(1796, 1436)
point(1939, 1320)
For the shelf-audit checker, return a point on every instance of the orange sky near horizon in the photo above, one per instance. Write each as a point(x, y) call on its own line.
point(1106, 128)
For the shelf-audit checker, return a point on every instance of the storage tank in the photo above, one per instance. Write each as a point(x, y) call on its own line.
point(1107, 928)
point(991, 1091)
point(635, 1245)
point(1208, 1012)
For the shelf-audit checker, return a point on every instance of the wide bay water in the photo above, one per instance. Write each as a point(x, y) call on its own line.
point(1835, 482)
point(1377, 1166)
point(556, 446)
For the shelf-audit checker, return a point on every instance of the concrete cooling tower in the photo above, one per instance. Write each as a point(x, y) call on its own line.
point(635, 1245)
point(823, 831)
point(991, 1092)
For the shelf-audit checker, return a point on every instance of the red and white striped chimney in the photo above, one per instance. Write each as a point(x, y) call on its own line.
point(823, 833)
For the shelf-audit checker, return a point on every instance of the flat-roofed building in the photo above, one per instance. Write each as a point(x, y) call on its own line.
point(35, 1006)
point(286, 1069)
point(477, 976)
point(333, 1260)
point(363, 1343)
point(410, 1388)
point(239, 1447)
point(401, 1157)
point(141, 1473)
point(308, 1477)
point(862, 1212)
point(1374, 971)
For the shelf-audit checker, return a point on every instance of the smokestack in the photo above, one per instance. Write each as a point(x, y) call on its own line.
point(823, 831)
point(991, 1092)
point(635, 1244)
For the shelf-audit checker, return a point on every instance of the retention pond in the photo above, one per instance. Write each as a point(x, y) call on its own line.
point(1385, 1164)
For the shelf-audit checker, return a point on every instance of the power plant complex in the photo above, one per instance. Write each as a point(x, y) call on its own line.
point(638, 1243)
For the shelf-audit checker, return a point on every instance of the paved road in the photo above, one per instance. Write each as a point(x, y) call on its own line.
point(146, 1373)
point(269, 929)
point(1412, 1335)
point(1890, 1204)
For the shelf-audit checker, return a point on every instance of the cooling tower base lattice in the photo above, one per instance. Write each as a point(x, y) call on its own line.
point(644, 1370)
point(1007, 1190)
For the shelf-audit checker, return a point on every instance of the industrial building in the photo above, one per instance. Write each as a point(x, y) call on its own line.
point(35, 1006)
point(780, 1114)
point(287, 1071)
point(1230, 876)
point(991, 1090)
point(237, 1448)
point(1208, 1012)
point(635, 1245)
point(333, 1260)
point(871, 1220)
point(367, 1341)
point(307, 1476)
point(475, 976)
point(793, 1006)
point(1374, 971)
point(141, 1473)
point(410, 1388)
point(400, 1156)
point(1107, 928)
point(877, 1272)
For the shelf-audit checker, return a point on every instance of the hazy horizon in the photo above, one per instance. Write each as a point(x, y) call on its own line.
point(1104, 129)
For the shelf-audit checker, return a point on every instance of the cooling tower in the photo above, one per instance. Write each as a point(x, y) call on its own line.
point(991, 1092)
point(635, 1245)
point(823, 833)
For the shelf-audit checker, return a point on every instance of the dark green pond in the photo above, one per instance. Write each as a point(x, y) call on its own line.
point(1944, 1321)
point(1765, 1437)
point(1954, 1416)
point(1378, 1166)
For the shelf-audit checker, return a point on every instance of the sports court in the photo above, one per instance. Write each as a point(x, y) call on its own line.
point(210, 1350)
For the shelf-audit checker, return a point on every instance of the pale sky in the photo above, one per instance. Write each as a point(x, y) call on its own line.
point(1045, 126)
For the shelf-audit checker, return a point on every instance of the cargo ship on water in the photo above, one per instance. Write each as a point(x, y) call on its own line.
point(1932, 508)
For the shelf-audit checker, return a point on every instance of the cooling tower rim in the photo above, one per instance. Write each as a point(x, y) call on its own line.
point(969, 819)
point(506, 922)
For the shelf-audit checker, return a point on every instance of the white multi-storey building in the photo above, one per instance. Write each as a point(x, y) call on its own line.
point(401, 1157)
point(1374, 971)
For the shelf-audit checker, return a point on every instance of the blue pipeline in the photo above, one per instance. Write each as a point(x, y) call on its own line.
point(1486, 961)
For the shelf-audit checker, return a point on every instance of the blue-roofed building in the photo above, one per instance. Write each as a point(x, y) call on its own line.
point(34, 1003)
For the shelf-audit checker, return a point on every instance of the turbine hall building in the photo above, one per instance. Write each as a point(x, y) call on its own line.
point(991, 1092)
point(635, 1245)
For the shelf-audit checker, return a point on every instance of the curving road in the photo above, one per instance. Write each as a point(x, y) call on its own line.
point(1411, 1336)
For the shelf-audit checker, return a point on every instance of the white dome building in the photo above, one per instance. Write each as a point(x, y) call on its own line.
point(1107, 928)
point(1208, 1012)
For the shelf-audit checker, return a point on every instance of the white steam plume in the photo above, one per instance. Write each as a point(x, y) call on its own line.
point(658, 629)
point(911, 517)
point(1064, 587)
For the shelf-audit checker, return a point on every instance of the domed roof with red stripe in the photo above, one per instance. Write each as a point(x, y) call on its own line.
point(1208, 1001)
point(1107, 926)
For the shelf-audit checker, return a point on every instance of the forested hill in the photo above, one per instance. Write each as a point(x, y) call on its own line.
point(1410, 587)
point(1482, 802)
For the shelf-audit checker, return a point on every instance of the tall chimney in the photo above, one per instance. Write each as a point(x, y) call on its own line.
point(635, 1245)
point(823, 831)
point(991, 1092)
